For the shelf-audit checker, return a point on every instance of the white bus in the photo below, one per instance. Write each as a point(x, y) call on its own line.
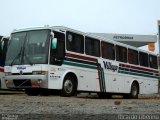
point(3, 49)
point(59, 58)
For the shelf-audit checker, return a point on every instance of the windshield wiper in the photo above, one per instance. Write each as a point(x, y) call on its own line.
point(18, 55)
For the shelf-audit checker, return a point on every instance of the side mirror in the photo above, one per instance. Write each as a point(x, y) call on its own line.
point(54, 43)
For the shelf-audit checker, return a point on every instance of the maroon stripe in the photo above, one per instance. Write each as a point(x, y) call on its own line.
point(81, 57)
point(1, 69)
point(138, 68)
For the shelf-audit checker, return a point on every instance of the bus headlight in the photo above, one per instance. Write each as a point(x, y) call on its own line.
point(39, 81)
point(39, 72)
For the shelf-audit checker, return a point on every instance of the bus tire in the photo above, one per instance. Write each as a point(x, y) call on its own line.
point(134, 91)
point(69, 86)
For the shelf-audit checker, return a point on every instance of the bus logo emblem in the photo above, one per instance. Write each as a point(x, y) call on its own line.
point(21, 72)
point(21, 68)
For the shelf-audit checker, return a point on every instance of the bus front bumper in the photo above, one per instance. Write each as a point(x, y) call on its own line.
point(26, 81)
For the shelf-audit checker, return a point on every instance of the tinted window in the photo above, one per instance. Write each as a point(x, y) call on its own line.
point(108, 50)
point(132, 56)
point(143, 59)
point(57, 54)
point(153, 61)
point(75, 42)
point(121, 53)
point(92, 47)
point(1, 49)
point(4, 45)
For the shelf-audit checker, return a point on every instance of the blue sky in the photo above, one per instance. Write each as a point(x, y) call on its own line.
point(106, 16)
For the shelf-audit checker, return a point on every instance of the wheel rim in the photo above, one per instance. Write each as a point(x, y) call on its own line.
point(68, 86)
point(134, 91)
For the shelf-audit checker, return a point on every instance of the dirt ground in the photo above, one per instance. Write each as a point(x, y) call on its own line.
point(83, 107)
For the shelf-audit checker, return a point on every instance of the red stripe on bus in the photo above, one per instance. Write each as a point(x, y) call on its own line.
point(138, 68)
point(1, 69)
point(81, 57)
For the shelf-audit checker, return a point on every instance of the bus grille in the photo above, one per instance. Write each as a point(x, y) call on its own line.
point(22, 83)
point(22, 74)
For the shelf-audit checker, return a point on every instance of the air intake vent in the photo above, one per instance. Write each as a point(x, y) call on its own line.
point(22, 83)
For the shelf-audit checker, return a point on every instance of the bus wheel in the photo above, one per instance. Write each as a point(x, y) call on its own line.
point(134, 91)
point(69, 87)
point(32, 92)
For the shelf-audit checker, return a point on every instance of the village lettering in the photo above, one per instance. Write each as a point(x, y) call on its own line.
point(108, 65)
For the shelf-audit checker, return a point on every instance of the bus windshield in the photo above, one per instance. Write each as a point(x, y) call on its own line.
point(29, 47)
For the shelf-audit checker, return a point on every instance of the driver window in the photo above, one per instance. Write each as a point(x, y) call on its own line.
point(57, 55)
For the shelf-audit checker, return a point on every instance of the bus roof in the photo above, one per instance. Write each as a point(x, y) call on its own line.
point(102, 38)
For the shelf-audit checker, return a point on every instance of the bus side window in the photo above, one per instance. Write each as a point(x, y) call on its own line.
point(92, 46)
point(143, 59)
point(133, 57)
point(121, 54)
point(153, 61)
point(75, 42)
point(4, 47)
point(108, 50)
point(1, 47)
point(1, 50)
point(57, 54)
point(61, 43)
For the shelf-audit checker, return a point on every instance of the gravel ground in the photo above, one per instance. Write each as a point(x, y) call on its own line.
point(20, 106)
